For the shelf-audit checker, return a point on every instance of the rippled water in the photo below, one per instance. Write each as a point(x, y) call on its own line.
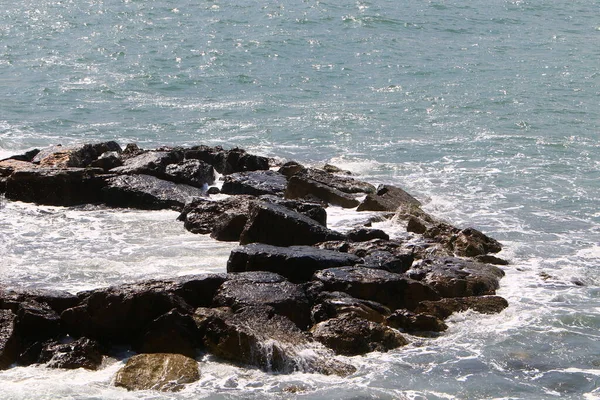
point(489, 112)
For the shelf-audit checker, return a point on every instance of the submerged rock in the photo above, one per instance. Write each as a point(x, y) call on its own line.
point(160, 371)
point(296, 263)
point(350, 335)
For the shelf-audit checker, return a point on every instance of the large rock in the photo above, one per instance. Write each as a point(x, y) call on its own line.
point(159, 371)
point(37, 322)
point(257, 336)
point(280, 226)
point(74, 156)
point(443, 308)
point(350, 335)
point(58, 300)
point(224, 219)
point(9, 343)
point(191, 172)
point(80, 353)
point(415, 322)
point(387, 198)
point(227, 161)
point(300, 186)
point(254, 183)
point(197, 290)
point(121, 314)
point(455, 277)
point(172, 332)
point(296, 263)
point(344, 184)
point(392, 290)
point(147, 192)
point(149, 163)
point(57, 187)
point(468, 242)
point(266, 288)
point(334, 304)
point(314, 211)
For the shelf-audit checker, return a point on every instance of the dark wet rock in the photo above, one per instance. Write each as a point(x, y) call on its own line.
point(389, 255)
point(8, 166)
point(57, 187)
point(131, 150)
point(75, 156)
point(237, 160)
point(28, 156)
point(160, 371)
point(312, 210)
point(224, 218)
point(365, 234)
point(392, 290)
point(214, 156)
point(408, 321)
point(149, 163)
point(296, 263)
point(334, 304)
point(172, 332)
point(290, 168)
point(213, 190)
point(350, 335)
point(191, 172)
point(197, 290)
point(455, 277)
point(280, 226)
point(147, 192)
point(255, 183)
point(490, 259)
point(257, 336)
point(416, 225)
point(120, 314)
point(9, 343)
point(342, 183)
point(300, 186)
point(269, 289)
point(332, 169)
point(37, 321)
point(57, 300)
point(443, 308)
point(107, 161)
point(387, 198)
point(80, 353)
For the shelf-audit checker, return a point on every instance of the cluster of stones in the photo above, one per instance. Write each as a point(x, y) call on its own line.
point(295, 293)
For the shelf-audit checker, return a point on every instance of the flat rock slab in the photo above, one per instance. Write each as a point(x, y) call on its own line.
point(159, 371)
point(149, 163)
point(342, 183)
point(390, 289)
point(296, 263)
point(265, 288)
point(255, 183)
point(443, 308)
point(300, 186)
point(280, 226)
point(147, 192)
point(77, 156)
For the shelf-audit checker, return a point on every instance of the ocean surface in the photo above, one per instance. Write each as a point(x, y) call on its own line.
point(487, 111)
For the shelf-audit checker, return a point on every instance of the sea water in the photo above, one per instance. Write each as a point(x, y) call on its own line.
point(488, 112)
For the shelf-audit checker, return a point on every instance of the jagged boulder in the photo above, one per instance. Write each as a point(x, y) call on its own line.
point(314, 211)
point(415, 322)
point(107, 161)
point(223, 219)
point(58, 300)
point(296, 263)
point(9, 343)
point(334, 304)
point(159, 371)
point(57, 187)
point(259, 337)
point(197, 290)
point(238, 160)
point(351, 335)
point(290, 168)
point(344, 184)
point(366, 234)
point(280, 226)
point(387, 198)
point(300, 186)
point(468, 242)
point(392, 290)
point(455, 277)
point(37, 322)
point(443, 308)
point(269, 289)
point(80, 353)
point(191, 172)
point(172, 332)
point(147, 192)
point(254, 183)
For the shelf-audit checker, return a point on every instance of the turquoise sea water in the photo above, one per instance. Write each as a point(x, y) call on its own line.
point(489, 112)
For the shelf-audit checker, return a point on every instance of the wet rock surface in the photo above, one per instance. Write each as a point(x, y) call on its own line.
point(254, 183)
point(300, 186)
point(387, 198)
point(161, 371)
point(9, 342)
point(445, 307)
point(81, 353)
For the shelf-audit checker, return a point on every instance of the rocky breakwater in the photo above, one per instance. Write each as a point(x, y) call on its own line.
point(295, 294)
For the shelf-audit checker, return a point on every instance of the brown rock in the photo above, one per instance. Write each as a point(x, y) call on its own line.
point(159, 371)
